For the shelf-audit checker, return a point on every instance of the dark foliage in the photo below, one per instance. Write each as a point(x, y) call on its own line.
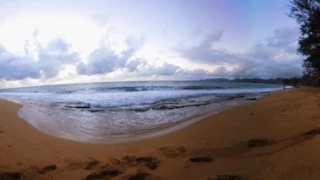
point(307, 14)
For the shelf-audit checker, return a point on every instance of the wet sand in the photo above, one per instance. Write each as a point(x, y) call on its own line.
point(275, 137)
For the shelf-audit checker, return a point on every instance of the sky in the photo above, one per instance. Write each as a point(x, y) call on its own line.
point(79, 41)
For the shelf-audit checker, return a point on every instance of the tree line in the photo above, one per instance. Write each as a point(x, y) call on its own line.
point(307, 14)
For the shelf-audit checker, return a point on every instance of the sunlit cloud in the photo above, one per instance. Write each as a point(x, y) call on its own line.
point(78, 42)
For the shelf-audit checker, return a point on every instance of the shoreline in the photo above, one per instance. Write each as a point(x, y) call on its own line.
point(257, 140)
point(152, 133)
point(160, 130)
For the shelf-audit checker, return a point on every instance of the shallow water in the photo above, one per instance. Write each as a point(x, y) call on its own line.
point(106, 112)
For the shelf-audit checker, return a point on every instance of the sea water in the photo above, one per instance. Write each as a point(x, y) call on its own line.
point(115, 111)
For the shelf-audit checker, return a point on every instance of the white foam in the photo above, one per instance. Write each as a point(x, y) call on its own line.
point(124, 98)
point(47, 110)
point(109, 126)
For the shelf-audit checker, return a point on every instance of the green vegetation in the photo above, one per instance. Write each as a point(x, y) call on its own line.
point(307, 14)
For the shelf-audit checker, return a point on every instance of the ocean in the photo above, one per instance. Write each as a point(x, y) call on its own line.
point(120, 111)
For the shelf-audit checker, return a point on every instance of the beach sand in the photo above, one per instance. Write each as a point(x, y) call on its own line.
point(275, 137)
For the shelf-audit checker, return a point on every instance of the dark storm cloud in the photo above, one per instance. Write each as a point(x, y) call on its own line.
point(274, 56)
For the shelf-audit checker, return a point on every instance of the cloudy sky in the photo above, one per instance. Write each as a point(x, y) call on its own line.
point(53, 42)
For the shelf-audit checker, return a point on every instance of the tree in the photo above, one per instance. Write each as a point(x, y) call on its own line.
point(307, 14)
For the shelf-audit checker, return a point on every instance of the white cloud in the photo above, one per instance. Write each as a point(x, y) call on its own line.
point(50, 59)
point(105, 60)
point(272, 57)
point(205, 53)
point(13, 67)
point(57, 61)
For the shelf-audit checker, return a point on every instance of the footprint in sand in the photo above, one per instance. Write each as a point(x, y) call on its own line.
point(10, 175)
point(91, 164)
point(105, 174)
point(148, 161)
point(173, 152)
point(259, 142)
point(201, 159)
point(228, 177)
point(47, 169)
point(314, 131)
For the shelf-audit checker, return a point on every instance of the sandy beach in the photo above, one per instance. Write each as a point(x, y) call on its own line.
point(272, 138)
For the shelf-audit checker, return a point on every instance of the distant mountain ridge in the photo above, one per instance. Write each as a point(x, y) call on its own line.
point(287, 81)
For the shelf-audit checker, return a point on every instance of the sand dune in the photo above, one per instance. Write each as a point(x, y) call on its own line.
point(275, 137)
